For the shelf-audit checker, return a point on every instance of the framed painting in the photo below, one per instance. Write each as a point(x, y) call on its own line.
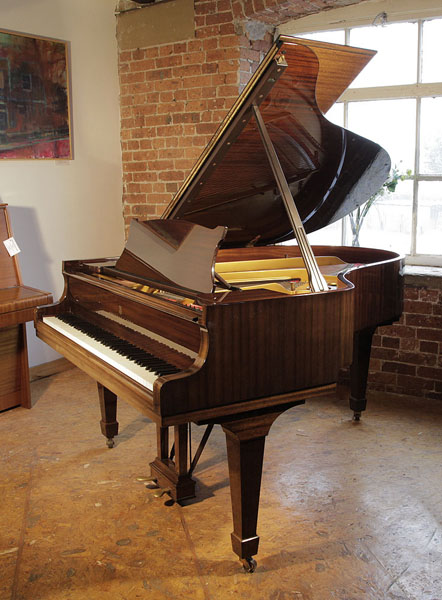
point(34, 98)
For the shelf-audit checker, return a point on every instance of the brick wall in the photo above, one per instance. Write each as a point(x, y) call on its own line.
point(173, 97)
point(407, 356)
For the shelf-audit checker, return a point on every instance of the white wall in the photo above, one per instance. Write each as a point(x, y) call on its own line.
point(69, 209)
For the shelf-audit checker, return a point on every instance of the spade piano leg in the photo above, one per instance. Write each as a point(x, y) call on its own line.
point(245, 438)
point(172, 476)
point(108, 407)
point(359, 370)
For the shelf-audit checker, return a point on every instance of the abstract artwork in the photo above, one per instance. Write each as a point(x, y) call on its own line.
point(34, 98)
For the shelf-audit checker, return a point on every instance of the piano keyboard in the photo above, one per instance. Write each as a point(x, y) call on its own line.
point(139, 365)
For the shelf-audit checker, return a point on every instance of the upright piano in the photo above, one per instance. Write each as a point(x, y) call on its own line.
point(17, 305)
point(210, 315)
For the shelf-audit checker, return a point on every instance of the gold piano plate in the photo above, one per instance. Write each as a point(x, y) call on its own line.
point(282, 275)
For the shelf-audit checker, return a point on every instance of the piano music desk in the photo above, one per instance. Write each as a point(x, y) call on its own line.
point(17, 303)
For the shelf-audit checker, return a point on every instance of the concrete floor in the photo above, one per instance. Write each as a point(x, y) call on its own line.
point(348, 511)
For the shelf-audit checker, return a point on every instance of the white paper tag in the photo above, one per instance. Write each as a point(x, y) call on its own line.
point(11, 246)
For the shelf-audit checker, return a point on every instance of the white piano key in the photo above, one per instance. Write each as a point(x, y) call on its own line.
point(139, 374)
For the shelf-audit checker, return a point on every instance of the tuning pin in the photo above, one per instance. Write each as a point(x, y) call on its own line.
point(161, 492)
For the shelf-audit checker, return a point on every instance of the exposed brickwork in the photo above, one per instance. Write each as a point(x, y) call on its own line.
point(174, 96)
point(407, 357)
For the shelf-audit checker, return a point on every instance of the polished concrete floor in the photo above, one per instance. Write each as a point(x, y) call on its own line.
point(348, 511)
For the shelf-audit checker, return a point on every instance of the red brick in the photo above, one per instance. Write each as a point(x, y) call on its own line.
point(168, 84)
point(194, 46)
point(187, 70)
point(415, 383)
point(437, 309)
point(209, 68)
point(142, 65)
point(206, 32)
point(168, 61)
point(172, 176)
point(199, 81)
point(430, 373)
point(390, 342)
point(417, 358)
point(409, 344)
point(429, 347)
point(180, 48)
point(186, 118)
point(397, 367)
point(133, 77)
point(429, 295)
point(166, 50)
point(416, 307)
point(205, 8)
point(222, 54)
point(384, 378)
point(125, 55)
point(210, 44)
point(223, 5)
point(194, 58)
point(219, 18)
point(411, 293)
point(384, 353)
point(434, 322)
point(434, 335)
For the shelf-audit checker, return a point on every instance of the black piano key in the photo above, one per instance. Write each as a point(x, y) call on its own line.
point(122, 347)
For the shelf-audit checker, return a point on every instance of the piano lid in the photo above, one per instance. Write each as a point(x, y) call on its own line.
point(330, 171)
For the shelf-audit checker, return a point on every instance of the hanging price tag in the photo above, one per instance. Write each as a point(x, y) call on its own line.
point(11, 246)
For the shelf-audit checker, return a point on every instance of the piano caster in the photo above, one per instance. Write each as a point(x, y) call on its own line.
point(249, 564)
point(356, 416)
point(110, 442)
point(161, 492)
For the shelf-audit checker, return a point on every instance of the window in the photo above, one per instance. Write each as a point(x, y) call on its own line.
point(397, 102)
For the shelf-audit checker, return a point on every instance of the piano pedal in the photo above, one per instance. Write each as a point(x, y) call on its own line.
point(149, 481)
point(161, 492)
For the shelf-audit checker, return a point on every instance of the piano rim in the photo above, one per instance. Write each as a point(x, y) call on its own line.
point(136, 395)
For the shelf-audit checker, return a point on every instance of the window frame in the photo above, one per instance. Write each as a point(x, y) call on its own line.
point(374, 13)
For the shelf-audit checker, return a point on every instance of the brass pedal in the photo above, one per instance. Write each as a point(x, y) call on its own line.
point(161, 492)
point(147, 480)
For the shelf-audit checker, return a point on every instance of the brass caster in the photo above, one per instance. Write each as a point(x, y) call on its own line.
point(249, 564)
point(356, 416)
point(161, 492)
point(110, 442)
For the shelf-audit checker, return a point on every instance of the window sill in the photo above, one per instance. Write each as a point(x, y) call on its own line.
point(423, 276)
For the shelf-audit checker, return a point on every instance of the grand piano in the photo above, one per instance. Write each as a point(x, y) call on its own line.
point(210, 315)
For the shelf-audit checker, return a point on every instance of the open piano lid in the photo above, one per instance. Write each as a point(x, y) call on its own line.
point(232, 191)
point(330, 171)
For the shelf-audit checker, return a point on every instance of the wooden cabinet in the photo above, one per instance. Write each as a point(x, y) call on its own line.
point(17, 303)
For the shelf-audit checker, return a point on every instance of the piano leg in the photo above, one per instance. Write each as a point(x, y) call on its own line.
point(245, 438)
point(359, 370)
point(108, 407)
point(173, 477)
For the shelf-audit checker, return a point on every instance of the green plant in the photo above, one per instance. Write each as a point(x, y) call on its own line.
point(389, 187)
